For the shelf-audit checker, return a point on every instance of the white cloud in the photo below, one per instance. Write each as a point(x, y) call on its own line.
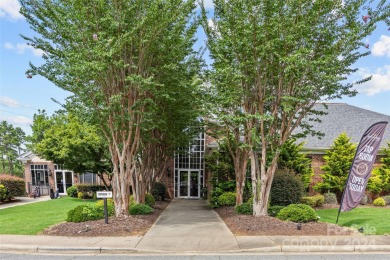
point(380, 81)
point(10, 9)
point(208, 4)
point(382, 47)
point(20, 121)
point(21, 48)
point(8, 102)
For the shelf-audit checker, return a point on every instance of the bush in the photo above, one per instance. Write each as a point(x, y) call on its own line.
point(14, 186)
point(89, 188)
point(80, 195)
point(140, 209)
point(310, 201)
point(85, 195)
point(313, 201)
point(72, 191)
point(379, 202)
point(364, 199)
point(274, 210)
point(84, 213)
point(297, 213)
point(330, 198)
point(3, 193)
point(227, 199)
point(110, 206)
point(244, 208)
point(149, 200)
point(286, 189)
point(159, 190)
point(387, 199)
point(219, 189)
point(131, 200)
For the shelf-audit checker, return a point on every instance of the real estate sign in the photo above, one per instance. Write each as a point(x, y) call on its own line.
point(361, 167)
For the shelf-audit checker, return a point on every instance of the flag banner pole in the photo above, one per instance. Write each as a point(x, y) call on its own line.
point(361, 167)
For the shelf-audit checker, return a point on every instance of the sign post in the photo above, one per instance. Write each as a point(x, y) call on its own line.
point(104, 195)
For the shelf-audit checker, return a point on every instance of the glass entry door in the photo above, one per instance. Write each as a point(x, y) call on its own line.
point(64, 180)
point(189, 184)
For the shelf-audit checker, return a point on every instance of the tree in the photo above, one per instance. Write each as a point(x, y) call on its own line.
point(295, 162)
point(11, 141)
point(338, 161)
point(273, 60)
point(76, 145)
point(380, 176)
point(120, 59)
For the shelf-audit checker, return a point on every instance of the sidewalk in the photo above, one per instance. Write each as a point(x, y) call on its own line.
point(23, 200)
point(190, 226)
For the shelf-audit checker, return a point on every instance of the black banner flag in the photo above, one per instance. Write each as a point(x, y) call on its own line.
point(361, 167)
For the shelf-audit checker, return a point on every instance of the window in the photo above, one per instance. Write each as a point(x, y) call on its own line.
point(39, 174)
point(89, 178)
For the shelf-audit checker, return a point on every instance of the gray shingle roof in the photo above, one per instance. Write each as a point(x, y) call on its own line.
point(341, 117)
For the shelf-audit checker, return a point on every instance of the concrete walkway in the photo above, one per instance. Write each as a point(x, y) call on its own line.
point(23, 201)
point(189, 225)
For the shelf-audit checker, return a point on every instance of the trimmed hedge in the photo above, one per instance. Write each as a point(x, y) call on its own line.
point(89, 188)
point(3, 193)
point(72, 191)
point(379, 202)
point(140, 209)
point(286, 189)
point(13, 185)
point(330, 198)
point(313, 201)
point(299, 213)
point(84, 213)
point(227, 199)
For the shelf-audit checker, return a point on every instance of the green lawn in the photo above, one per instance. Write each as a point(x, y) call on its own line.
point(375, 221)
point(31, 219)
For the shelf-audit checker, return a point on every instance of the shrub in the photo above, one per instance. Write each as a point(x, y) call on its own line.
point(313, 201)
point(149, 200)
point(364, 199)
point(159, 190)
point(274, 210)
point(310, 201)
point(387, 199)
point(227, 199)
point(15, 186)
point(286, 189)
point(379, 202)
point(330, 198)
point(80, 195)
point(219, 189)
point(244, 208)
point(140, 209)
point(85, 195)
point(3, 193)
point(84, 213)
point(110, 206)
point(131, 200)
point(297, 213)
point(72, 191)
point(89, 188)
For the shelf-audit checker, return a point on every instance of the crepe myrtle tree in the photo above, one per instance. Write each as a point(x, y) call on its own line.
point(112, 54)
point(275, 59)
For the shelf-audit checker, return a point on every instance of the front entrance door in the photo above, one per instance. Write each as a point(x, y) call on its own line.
point(64, 180)
point(189, 184)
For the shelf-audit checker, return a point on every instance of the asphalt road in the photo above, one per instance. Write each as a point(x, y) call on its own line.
point(200, 257)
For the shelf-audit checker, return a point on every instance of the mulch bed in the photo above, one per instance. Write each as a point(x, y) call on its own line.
point(246, 225)
point(121, 226)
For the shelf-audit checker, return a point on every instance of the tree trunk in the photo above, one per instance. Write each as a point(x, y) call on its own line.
point(121, 189)
point(240, 170)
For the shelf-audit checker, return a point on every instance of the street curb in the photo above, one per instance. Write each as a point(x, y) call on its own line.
point(275, 249)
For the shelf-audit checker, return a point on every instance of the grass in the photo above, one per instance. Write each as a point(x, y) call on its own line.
point(375, 221)
point(32, 219)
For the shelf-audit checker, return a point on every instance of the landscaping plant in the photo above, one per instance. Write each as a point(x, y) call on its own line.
point(299, 213)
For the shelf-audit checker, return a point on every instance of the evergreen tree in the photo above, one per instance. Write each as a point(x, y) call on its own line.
point(338, 161)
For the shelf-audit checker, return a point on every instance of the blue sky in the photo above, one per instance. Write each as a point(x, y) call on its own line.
point(21, 97)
